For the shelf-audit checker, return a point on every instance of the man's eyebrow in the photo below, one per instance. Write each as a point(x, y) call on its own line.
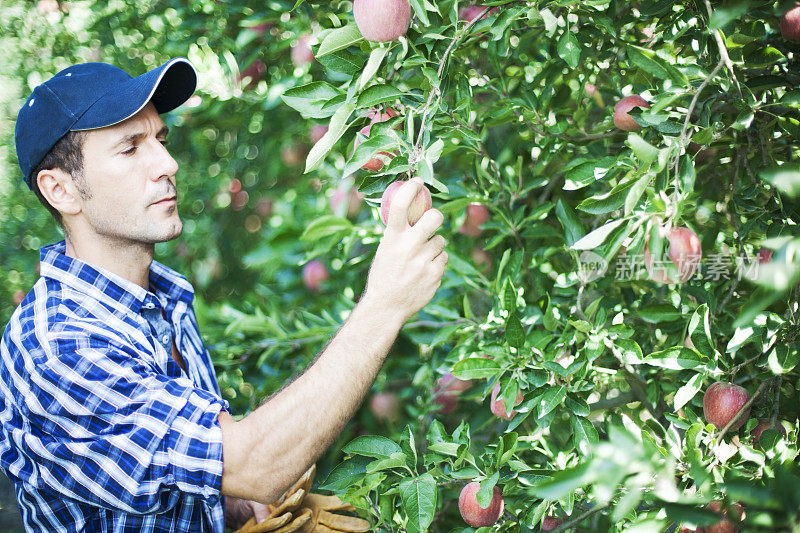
point(129, 139)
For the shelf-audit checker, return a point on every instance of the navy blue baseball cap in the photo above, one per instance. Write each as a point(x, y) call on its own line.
point(89, 96)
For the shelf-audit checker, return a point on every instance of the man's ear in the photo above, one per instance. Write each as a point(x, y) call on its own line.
point(58, 188)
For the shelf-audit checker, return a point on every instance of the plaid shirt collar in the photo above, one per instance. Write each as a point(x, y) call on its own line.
point(166, 285)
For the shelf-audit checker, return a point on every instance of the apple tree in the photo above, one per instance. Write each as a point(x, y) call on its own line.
point(615, 343)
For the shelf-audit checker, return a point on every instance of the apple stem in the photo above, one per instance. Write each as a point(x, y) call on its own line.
point(743, 410)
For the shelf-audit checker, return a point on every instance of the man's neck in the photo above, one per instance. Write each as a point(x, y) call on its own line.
point(129, 260)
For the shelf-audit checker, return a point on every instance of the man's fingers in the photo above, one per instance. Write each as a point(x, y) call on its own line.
point(441, 261)
point(434, 247)
point(430, 222)
point(401, 201)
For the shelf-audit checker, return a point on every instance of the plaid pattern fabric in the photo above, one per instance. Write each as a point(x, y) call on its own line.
point(100, 429)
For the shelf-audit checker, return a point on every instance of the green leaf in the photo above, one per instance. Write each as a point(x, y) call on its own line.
point(324, 226)
point(372, 446)
point(551, 399)
point(515, 333)
point(336, 129)
point(727, 13)
point(643, 150)
point(338, 39)
point(583, 431)
point(309, 99)
point(486, 492)
point(573, 228)
point(346, 474)
point(648, 61)
point(378, 94)
point(475, 368)
point(606, 202)
point(659, 313)
point(569, 50)
point(372, 66)
point(676, 358)
point(343, 62)
point(396, 460)
point(785, 178)
point(635, 193)
point(418, 497)
point(564, 482)
point(597, 236)
point(368, 149)
point(688, 391)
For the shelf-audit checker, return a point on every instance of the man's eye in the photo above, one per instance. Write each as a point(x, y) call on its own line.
point(163, 142)
point(130, 151)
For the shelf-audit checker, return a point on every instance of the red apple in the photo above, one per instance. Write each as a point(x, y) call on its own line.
point(378, 116)
point(47, 6)
point(264, 208)
point(470, 13)
point(346, 202)
point(477, 214)
point(549, 523)
point(314, 274)
point(622, 119)
point(482, 260)
point(590, 89)
point(475, 515)
point(239, 200)
point(764, 425)
point(420, 204)
point(385, 406)
point(724, 525)
point(260, 29)
point(764, 255)
point(18, 296)
point(497, 405)
point(382, 20)
point(254, 72)
point(292, 155)
point(317, 132)
point(301, 51)
point(790, 24)
point(685, 252)
point(450, 383)
point(722, 401)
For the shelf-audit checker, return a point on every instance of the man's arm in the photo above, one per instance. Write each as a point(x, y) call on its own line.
point(267, 451)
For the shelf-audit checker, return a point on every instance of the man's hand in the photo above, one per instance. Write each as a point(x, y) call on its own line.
point(410, 261)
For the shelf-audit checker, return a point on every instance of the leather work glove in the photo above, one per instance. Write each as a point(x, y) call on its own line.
point(305, 512)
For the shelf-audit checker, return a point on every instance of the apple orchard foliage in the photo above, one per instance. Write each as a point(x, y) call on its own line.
point(548, 298)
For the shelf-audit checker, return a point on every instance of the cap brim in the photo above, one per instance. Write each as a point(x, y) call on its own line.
point(167, 86)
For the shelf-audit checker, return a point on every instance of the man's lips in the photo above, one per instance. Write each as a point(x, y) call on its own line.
point(167, 200)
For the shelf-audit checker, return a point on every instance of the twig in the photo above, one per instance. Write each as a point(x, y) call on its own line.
point(435, 90)
point(738, 367)
point(776, 403)
point(745, 408)
point(723, 51)
point(686, 121)
point(580, 518)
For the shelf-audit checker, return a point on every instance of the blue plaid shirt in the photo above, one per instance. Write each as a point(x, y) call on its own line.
point(100, 429)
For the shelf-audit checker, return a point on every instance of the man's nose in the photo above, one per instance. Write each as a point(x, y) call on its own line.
point(164, 165)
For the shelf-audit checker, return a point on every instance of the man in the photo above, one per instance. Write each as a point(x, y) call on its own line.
point(111, 417)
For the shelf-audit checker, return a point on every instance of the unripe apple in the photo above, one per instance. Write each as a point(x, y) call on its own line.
point(382, 20)
point(549, 523)
point(301, 51)
point(790, 24)
point(316, 132)
point(475, 515)
point(420, 204)
point(497, 405)
point(477, 214)
point(482, 259)
point(385, 406)
point(722, 401)
point(622, 119)
point(764, 425)
point(685, 251)
point(314, 274)
point(724, 525)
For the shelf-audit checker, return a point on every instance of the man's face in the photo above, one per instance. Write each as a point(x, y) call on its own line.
point(130, 180)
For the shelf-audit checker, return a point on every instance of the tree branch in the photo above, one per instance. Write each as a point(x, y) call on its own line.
point(742, 411)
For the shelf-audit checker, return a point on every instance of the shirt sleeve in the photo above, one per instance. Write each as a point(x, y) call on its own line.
point(110, 430)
